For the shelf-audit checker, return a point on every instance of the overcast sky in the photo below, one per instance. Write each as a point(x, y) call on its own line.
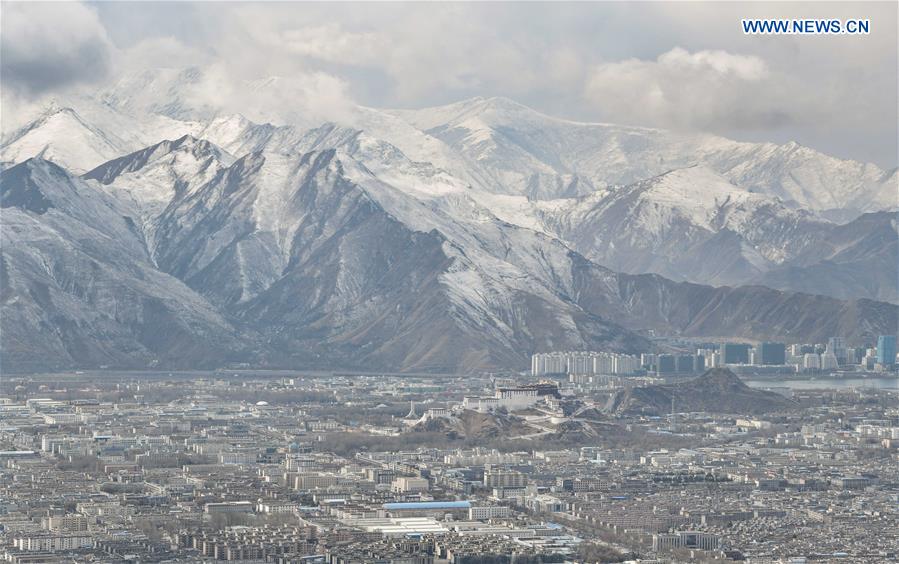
point(684, 66)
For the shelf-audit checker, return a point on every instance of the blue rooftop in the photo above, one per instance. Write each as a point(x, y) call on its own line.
point(428, 505)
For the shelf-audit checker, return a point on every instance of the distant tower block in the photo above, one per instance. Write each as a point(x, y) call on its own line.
point(673, 417)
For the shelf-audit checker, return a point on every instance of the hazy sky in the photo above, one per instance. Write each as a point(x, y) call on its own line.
point(683, 66)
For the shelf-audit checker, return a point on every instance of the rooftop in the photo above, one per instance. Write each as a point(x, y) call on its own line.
point(429, 505)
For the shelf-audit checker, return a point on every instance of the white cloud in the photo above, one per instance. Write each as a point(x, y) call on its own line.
point(307, 98)
point(160, 52)
point(303, 98)
point(51, 45)
point(741, 67)
point(611, 61)
point(329, 42)
point(55, 50)
point(700, 90)
point(418, 51)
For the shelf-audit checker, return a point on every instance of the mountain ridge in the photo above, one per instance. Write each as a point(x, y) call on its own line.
point(79, 289)
point(388, 246)
point(602, 154)
point(427, 290)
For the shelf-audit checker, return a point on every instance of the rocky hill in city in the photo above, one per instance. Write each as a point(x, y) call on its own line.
point(717, 391)
point(473, 425)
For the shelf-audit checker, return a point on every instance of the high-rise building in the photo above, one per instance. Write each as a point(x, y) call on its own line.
point(699, 363)
point(735, 353)
point(684, 363)
point(811, 361)
point(583, 362)
point(500, 478)
point(886, 350)
point(665, 364)
point(772, 354)
point(835, 345)
point(829, 361)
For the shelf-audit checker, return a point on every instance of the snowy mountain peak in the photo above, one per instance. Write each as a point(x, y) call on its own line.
point(696, 184)
point(186, 146)
point(484, 110)
point(61, 135)
point(469, 244)
point(37, 170)
point(52, 108)
point(494, 144)
point(43, 187)
point(229, 126)
point(151, 178)
point(499, 105)
point(52, 112)
point(521, 151)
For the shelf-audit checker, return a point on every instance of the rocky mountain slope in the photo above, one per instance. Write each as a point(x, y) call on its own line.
point(845, 261)
point(298, 261)
point(690, 207)
point(691, 224)
point(687, 224)
point(397, 246)
point(78, 288)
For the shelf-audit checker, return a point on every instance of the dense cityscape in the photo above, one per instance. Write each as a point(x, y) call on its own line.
point(592, 457)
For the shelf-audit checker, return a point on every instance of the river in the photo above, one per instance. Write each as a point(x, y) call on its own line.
point(827, 383)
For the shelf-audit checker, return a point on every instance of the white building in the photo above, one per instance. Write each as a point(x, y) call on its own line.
point(511, 398)
point(51, 543)
point(584, 362)
point(404, 484)
point(811, 361)
point(829, 361)
point(229, 507)
point(314, 481)
point(70, 523)
point(485, 512)
point(497, 478)
point(277, 507)
point(685, 539)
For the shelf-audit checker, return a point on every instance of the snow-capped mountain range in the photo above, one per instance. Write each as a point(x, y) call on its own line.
point(139, 229)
